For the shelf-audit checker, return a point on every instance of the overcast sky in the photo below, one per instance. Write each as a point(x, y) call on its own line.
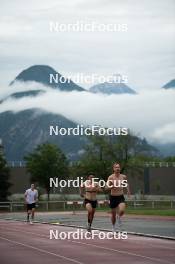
point(145, 53)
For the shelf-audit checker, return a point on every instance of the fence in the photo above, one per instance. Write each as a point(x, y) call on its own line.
point(78, 205)
point(159, 164)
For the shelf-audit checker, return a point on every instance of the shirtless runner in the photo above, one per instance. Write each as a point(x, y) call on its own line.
point(90, 188)
point(116, 183)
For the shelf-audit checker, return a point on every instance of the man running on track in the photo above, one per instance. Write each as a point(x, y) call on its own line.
point(31, 196)
point(116, 183)
point(91, 188)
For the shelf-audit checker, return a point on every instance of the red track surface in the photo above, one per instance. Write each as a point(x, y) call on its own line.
point(24, 243)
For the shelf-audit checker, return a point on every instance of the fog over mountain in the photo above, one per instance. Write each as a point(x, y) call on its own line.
point(28, 108)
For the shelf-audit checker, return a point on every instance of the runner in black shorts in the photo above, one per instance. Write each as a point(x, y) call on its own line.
point(116, 200)
point(93, 203)
point(116, 183)
point(31, 196)
point(91, 188)
point(31, 206)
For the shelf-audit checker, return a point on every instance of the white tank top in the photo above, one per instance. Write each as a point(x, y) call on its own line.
point(31, 196)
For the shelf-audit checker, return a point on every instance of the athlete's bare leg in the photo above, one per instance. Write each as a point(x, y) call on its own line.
point(28, 214)
point(33, 213)
point(113, 216)
point(91, 212)
point(121, 209)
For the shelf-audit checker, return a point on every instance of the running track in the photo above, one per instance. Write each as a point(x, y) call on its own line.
point(24, 243)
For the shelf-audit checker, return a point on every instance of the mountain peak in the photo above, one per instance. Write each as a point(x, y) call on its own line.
point(41, 74)
point(112, 88)
point(169, 85)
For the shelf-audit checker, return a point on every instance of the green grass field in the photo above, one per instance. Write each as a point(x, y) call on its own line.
point(161, 212)
point(146, 211)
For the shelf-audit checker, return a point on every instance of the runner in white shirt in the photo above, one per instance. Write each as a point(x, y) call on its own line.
point(31, 196)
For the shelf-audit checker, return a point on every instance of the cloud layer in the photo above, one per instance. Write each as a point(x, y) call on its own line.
point(149, 114)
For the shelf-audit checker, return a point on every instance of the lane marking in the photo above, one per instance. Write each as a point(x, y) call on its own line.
point(125, 252)
point(106, 248)
point(138, 242)
point(41, 250)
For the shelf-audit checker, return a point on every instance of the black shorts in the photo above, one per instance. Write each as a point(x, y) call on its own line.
point(93, 203)
point(114, 201)
point(31, 206)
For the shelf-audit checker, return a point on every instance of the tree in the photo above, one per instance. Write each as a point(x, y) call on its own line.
point(47, 161)
point(102, 151)
point(4, 179)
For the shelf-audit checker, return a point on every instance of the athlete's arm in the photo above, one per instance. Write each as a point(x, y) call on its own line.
point(109, 183)
point(25, 196)
point(127, 188)
point(36, 196)
point(82, 188)
point(99, 189)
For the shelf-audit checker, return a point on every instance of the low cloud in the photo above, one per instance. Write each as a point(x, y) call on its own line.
point(149, 114)
point(165, 133)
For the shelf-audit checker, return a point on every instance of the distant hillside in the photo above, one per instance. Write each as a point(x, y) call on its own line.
point(41, 74)
point(112, 88)
point(169, 85)
point(23, 131)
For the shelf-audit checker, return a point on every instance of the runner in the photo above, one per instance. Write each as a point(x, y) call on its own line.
point(90, 188)
point(116, 184)
point(31, 196)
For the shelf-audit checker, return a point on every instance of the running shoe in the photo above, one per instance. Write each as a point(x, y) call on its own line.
point(119, 222)
point(88, 227)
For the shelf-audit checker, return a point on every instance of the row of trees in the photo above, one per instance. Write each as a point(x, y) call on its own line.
point(99, 155)
point(48, 160)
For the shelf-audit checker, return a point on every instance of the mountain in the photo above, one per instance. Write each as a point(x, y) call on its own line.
point(165, 149)
point(23, 131)
point(170, 85)
point(112, 88)
point(41, 74)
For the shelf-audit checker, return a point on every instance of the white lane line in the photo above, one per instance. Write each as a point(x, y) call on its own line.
point(125, 252)
point(111, 249)
point(129, 240)
point(41, 250)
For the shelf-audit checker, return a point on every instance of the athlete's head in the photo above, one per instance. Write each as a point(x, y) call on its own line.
point(116, 167)
point(32, 186)
point(90, 177)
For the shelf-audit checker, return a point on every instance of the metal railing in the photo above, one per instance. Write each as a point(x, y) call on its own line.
point(15, 206)
point(160, 164)
point(150, 164)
